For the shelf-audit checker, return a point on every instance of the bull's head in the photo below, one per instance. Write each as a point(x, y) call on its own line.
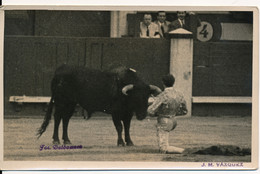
point(138, 97)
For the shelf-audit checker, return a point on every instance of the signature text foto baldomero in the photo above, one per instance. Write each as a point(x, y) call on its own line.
point(59, 147)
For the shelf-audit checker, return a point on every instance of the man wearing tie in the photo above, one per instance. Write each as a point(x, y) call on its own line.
point(188, 21)
point(148, 29)
point(162, 23)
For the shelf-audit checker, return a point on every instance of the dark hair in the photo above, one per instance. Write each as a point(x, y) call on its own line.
point(147, 14)
point(168, 80)
point(182, 11)
point(160, 12)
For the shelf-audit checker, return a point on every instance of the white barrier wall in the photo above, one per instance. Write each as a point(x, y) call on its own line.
point(181, 62)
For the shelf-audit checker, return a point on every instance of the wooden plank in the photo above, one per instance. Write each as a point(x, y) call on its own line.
point(29, 99)
point(44, 99)
point(201, 85)
point(72, 23)
point(211, 99)
point(230, 69)
point(220, 70)
point(96, 55)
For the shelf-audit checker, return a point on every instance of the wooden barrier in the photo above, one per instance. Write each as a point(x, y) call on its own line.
point(208, 99)
point(214, 99)
point(30, 62)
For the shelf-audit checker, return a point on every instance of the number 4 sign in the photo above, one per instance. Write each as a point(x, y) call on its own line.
point(205, 31)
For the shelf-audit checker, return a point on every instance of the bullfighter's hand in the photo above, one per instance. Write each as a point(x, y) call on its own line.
point(151, 100)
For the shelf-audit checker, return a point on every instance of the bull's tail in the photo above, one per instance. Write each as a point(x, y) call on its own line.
point(47, 118)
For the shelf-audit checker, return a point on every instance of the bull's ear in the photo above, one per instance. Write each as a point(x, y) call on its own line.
point(155, 90)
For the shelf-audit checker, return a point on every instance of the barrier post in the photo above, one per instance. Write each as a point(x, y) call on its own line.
point(181, 63)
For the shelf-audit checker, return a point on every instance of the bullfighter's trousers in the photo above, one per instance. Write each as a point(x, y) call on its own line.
point(164, 126)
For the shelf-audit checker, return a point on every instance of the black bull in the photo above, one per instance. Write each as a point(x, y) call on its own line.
point(119, 92)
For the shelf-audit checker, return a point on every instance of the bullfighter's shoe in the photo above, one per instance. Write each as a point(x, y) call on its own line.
point(174, 150)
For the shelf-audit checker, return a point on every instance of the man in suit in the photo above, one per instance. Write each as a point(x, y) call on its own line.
point(189, 21)
point(148, 29)
point(163, 24)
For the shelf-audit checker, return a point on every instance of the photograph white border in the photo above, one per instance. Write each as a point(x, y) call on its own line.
point(104, 5)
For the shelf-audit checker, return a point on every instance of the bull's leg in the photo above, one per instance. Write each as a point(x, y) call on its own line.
point(65, 122)
point(57, 119)
point(119, 128)
point(127, 123)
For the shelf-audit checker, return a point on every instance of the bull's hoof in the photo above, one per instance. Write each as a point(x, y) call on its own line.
point(130, 143)
point(120, 143)
point(66, 142)
point(55, 142)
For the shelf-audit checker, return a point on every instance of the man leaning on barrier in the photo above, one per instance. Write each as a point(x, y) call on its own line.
point(148, 29)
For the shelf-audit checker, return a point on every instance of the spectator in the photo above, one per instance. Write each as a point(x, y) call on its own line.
point(148, 29)
point(166, 106)
point(163, 24)
point(188, 21)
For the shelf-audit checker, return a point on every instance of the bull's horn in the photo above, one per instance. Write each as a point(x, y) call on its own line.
point(155, 88)
point(127, 88)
